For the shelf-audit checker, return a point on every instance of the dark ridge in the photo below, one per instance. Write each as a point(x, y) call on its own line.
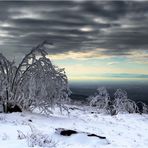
point(78, 97)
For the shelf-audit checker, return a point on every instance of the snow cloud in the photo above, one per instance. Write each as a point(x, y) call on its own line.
point(77, 29)
point(118, 26)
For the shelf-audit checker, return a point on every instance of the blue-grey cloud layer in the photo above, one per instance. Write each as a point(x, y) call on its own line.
point(118, 26)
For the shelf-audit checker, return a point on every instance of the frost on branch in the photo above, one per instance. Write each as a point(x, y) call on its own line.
point(34, 83)
point(101, 99)
point(122, 104)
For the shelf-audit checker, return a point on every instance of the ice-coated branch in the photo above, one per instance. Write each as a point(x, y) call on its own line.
point(35, 83)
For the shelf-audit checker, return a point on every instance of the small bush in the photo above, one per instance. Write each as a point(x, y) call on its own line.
point(39, 139)
point(36, 138)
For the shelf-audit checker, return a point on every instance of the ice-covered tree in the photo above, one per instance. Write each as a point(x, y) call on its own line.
point(35, 82)
point(121, 103)
point(7, 72)
point(101, 99)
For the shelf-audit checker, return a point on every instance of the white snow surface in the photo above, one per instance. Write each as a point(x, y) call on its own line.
point(22, 130)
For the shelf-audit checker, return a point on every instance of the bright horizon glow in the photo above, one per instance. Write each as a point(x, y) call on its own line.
point(93, 65)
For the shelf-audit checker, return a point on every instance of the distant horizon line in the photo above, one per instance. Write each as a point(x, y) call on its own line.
point(72, 81)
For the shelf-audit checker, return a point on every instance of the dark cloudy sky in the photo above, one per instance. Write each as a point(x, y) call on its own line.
point(91, 39)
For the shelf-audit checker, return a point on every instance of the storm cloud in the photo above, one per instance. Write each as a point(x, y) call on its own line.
point(118, 27)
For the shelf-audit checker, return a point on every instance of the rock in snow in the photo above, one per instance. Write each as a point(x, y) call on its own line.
point(69, 132)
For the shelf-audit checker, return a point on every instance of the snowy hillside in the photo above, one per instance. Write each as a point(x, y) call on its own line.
point(19, 130)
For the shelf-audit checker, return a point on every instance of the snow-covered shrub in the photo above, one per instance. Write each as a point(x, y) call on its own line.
point(145, 108)
point(36, 138)
point(131, 106)
point(35, 82)
point(121, 103)
point(101, 99)
point(39, 139)
point(142, 107)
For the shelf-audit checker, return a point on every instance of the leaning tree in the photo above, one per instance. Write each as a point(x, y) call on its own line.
point(34, 83)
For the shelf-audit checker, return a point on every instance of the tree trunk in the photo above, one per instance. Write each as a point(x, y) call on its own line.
point(5, 107)
point(6, 102)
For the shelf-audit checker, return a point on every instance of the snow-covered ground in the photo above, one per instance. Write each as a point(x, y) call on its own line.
point(21, 130)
